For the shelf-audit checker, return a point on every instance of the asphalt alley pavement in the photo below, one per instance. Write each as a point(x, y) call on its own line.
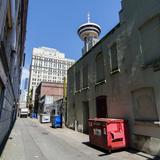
point(30, 140)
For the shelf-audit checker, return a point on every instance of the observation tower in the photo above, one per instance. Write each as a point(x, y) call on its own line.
point(89, 33)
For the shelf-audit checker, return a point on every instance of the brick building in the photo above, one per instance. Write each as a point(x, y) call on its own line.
point(12, 38)
point(48, 65)
point(119, 77)
point(49, 89)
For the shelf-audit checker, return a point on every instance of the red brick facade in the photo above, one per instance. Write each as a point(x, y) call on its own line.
point(49, 89)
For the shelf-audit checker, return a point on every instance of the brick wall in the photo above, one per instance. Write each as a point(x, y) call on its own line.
point(51, 89)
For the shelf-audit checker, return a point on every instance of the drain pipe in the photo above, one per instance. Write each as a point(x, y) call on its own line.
point(76, 125)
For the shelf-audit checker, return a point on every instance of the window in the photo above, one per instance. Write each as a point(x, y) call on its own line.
point(6, 30)
point(149, 40)
point(144, 105)
point(85, 76)
point(114, 58)
point(2, 88)
point(77, 80)
point(99, 68)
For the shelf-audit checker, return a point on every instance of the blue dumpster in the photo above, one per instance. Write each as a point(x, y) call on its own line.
point(57, 121)
point(33, 115)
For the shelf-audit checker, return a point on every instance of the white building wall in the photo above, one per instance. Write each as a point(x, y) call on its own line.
point(48, 65)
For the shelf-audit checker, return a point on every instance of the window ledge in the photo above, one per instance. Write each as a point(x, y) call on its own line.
point(155, 64)
point(115, 71)
point(83, 89)
point(77, 91)
point(148, 123)
point(156, 67)
point(157, 123)
point(145, 66)
point(100, 82)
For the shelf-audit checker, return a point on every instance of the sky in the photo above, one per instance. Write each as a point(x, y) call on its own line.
point(54, 24)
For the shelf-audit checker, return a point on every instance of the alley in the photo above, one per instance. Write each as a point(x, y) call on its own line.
point(31, 140)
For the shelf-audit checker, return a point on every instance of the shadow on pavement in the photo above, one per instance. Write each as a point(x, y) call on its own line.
point(129, 150)
point(55, 127)
point(156, 158)
point(105, 152)
point(133, 151)
point(6, 138)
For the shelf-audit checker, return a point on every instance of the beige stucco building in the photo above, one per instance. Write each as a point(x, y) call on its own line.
point(119, 77)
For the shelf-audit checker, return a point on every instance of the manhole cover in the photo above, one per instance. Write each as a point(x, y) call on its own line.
point(34, 126)
point(45, 133)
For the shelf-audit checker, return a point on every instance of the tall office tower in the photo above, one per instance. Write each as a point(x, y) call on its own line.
point(48, 65)
point(89, 32)
point(26, 83)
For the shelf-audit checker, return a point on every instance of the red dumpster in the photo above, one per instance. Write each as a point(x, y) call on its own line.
point(109, 134)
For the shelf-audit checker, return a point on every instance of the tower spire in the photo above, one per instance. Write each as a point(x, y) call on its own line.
point(88, 16)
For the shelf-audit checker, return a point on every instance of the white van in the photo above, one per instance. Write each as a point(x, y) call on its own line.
point(23, 112)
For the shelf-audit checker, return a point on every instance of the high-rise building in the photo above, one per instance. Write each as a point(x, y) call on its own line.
point(48, 65)
point(23, 99)
point(26, 83)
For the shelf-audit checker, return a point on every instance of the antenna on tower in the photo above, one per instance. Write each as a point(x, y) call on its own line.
point(88, 17)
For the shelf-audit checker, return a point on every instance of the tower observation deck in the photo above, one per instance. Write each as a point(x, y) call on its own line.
point(89, 33)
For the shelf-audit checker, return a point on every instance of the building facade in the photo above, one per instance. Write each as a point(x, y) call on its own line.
point(48, 65)
point(119, 77)
point(12, 38)
point(47, 91)
point(26, 83)
point(23, 99)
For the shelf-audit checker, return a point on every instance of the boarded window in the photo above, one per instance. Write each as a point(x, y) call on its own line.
point(114, 58)
point(77, 80)
point(99, 68)
point(144, 105)
point(150, 40)
point(85, 76)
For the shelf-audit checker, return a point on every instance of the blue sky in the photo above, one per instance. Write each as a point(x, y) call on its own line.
point(54, 24)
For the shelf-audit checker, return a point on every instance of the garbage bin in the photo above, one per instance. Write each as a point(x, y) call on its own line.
point(32, 115)
point(109, 134)
point(57, 121)
point(44, 118)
